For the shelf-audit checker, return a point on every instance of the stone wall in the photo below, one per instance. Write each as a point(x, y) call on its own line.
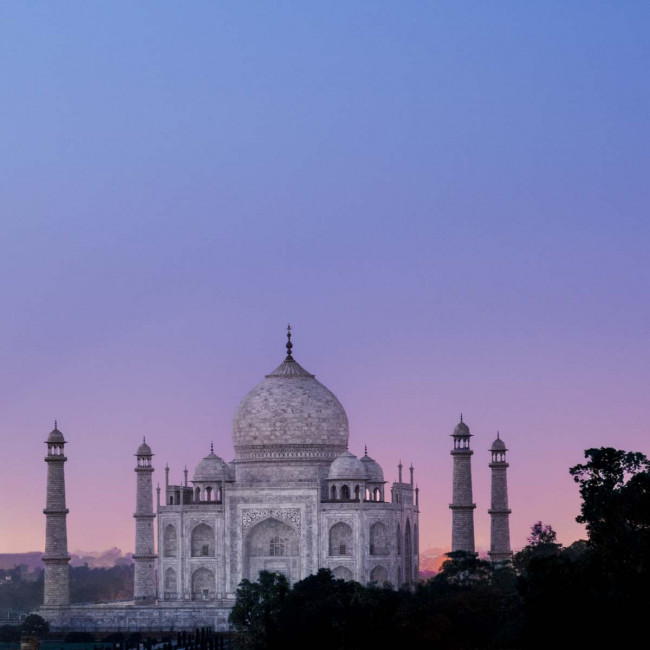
point(137, 618)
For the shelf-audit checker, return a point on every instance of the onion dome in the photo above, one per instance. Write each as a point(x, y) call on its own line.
point(374, 472)
point(498, 444)
point(290, 416)
point(211, 468)
point(461, 430)
point(144, 449)
point(55, 435)
point(347, 466)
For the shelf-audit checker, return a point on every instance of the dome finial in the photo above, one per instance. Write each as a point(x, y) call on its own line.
point(461, 417)
point(211, 447)
point(55, 425)
point(365, 449)
point(289, 344)
point(498, 436)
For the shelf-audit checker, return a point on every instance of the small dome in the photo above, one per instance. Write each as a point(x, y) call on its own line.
point(498, 445)
point(55, 436)
point(211, 468)
point(144, 449)
point(347, 466)
point(461, 429)
point(373, 469)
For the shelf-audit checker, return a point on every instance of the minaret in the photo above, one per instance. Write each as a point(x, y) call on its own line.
point(56, 558)
point(144, 556)
point(462, 507)
point(499, 512)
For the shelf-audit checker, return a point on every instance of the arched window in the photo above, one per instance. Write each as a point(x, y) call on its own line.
point(376, 494)
point(342, 573)
point(203, 584)
point(399, 539)
point(170, 583)
point(219, 495)
point(171, 501)
point(345, 492)
point(408, 554)
point(277, 546)
point(197, 494)
point(208, 493)
point(333, 492)
point(203, 541)
point(357, 491)
point(378, 539)
point(340, 539)
point(379, 575)
point(170, 544)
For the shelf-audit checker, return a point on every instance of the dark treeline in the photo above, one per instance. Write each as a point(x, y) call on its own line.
point(594, 593)
point(36, 626)
point(21, 590)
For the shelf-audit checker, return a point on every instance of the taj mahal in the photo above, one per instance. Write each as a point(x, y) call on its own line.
point(293, 500)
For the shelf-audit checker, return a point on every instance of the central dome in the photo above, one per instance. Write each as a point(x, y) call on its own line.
point(290, 415)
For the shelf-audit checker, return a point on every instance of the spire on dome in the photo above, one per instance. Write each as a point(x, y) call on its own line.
point(211, 447)
point(289, 344)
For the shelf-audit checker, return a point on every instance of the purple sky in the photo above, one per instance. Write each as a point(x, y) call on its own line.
point(448, 201)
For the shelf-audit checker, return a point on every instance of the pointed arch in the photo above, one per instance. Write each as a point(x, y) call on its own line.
point(171, 583)
point(203, 584)
point(378, 539)
point(340, 539)
point(399, 539)
point(203, 541)
point(342, 573)
point(170, 541)
point(379, 575)
point(273, 545)
point(408, 554)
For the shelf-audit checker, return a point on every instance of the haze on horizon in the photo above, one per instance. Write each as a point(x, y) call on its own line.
point(447, 201)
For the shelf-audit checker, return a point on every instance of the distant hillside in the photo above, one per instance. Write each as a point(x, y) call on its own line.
point(31, 560)
point(94, 559)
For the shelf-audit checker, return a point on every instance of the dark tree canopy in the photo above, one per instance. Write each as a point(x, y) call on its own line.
point(542, 534)
point(35, 625)
point(615, 491)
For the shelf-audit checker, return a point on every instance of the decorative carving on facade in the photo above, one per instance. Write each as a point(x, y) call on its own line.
point(252, 516)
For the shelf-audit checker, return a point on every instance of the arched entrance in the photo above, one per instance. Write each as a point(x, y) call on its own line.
point(272, 545)
point(203, 584)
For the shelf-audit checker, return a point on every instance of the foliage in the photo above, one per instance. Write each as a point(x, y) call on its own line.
point(9, 633)
point(542, 543)
point(257, 609)
point(541, 534)
point(442, 613)
point(35, 625)
point(615, 491)
point(22, 589)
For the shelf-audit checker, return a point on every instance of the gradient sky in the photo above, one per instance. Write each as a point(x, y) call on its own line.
point(447, 200)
